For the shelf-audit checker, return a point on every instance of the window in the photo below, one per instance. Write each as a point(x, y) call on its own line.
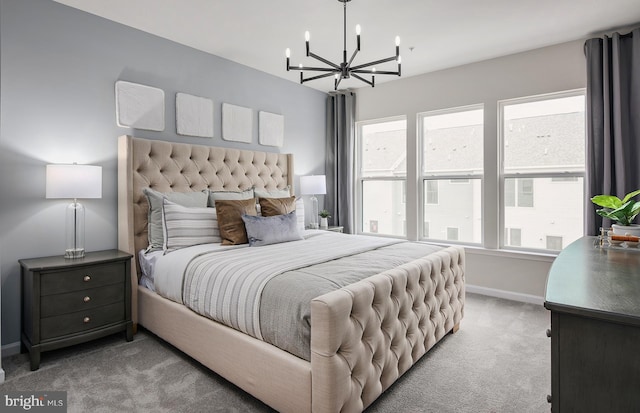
point(543, 164)
point(513, 236)
point(554, 243)
point(425, 229)
point(521, 198)
point(451, 168)
point(432, 192)
point(382, 167)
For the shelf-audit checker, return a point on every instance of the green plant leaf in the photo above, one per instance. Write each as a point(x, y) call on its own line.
point(607, 201)
point(630, 195)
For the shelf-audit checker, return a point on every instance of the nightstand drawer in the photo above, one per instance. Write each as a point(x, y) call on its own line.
point(52, 305)
point(52, 327)
point(81, 278)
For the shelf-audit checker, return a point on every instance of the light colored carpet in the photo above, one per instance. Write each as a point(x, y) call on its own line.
point(498, 362)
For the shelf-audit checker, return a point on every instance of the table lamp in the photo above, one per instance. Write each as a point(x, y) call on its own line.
point(73, 182)
point(313, 185)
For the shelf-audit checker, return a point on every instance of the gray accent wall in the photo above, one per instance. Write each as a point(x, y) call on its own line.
point(58, 67)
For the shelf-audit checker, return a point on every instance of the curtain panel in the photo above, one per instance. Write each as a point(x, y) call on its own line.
point(613, 120)
point(340, 163)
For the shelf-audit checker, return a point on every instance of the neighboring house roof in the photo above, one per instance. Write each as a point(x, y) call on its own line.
point(544, 142)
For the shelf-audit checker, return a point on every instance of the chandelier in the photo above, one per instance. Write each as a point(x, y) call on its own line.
point(345, 70)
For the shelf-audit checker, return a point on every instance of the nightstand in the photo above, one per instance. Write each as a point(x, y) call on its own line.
point(70, 301)
point(333, 229)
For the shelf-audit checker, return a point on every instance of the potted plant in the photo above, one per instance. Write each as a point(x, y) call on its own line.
point(622, 211)
point(324, 218)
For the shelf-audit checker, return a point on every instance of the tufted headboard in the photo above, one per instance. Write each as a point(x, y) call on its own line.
point(180, 167)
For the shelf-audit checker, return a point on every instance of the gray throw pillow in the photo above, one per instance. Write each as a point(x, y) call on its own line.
point(154, 219)
point(271, 230)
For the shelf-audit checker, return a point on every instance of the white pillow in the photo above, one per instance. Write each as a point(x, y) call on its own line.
point(300, 214)
point(214, 196)
point(276, 193)
point(184, 227)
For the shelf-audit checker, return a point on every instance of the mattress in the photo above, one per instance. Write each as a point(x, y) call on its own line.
point(287, 277)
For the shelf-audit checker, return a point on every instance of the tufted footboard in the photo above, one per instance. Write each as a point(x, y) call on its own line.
point(366, 335)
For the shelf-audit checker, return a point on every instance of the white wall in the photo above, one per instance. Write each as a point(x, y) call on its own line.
point(546, 70)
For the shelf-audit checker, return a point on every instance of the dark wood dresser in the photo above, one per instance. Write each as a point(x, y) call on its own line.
point(70, 301)
point(594, 298)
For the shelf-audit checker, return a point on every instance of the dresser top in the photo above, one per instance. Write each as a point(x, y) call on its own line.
point(59, 261)
point(596, 282)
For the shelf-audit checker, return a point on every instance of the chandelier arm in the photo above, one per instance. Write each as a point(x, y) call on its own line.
point(325, 61)
point(370, 83)
point(316, 77)
point(316, 69)
point(377, 72)
point(355, 52)
point(377, 62)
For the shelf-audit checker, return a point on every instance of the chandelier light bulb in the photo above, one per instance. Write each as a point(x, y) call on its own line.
point(399, 59)
point(336, 76)
point(358, 29)
point(373, 69)
point(287, 52)
point(300, 65)
point(397, 40)
point(307, 36)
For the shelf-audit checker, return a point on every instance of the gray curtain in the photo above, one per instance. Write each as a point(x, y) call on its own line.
point(613, 120)
point(339, 168)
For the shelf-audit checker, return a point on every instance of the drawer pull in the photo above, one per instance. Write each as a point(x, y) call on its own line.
point(86, 320)
point(86, 278)
point(86, 299)
point(548, 332)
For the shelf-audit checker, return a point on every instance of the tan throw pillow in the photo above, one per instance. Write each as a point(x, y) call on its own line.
point(230, 222)
point(277, 206)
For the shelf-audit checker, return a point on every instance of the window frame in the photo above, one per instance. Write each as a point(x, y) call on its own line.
point(423, 177)
point(502, 175)
point(360, 180)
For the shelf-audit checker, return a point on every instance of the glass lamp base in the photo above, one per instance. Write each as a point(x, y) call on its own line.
point(75, 231)
point(74, 253)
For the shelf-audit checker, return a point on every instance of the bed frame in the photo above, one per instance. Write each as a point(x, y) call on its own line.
point(363, 336)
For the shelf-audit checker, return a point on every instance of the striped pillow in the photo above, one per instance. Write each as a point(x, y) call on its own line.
point(184, 226)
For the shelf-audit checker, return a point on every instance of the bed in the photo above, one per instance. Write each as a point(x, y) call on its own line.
point(363, 336)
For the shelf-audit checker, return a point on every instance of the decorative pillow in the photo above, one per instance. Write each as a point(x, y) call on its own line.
point(277, 206)
point(271, 230)
point(300, 214)
point(184, 227)
point(276, 193)
point(230, 222)
point(228, 195)
point(154, 219)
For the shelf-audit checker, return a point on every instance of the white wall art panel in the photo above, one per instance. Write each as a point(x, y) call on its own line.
point(237, 123)
point(139, 106)
point(271, 128)
point(194, 115)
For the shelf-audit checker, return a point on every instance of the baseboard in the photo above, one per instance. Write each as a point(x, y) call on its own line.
point(508, 295)
point(11, 349)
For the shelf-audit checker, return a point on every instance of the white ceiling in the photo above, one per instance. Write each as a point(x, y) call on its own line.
point(441, 33)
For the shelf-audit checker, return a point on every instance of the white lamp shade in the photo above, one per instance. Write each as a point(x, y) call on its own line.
point(313, 185)
point(74, 181)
